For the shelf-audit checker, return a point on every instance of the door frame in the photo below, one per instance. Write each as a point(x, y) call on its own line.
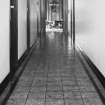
point(13, 36)
point(28, 25)
point(73, 23)
point(65, 16)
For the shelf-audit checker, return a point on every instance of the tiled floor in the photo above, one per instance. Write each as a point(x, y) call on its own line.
point(54, 76)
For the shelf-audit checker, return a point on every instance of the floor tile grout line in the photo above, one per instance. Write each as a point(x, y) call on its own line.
point(30, 89)
point(62, 89)
point(47, 64)
point(77, 83)
point(29, 92)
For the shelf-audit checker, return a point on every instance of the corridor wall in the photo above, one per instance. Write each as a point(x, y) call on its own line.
point(34, 11)
point(42, 16)
point(69, 16)
point(22, 27)
point(65, 16)
point(8, 56)
point(90, 30)
point(4, 39)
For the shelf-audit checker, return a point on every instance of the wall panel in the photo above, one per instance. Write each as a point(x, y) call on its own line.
point(69, 16)
point(4, 39)
point(22, 27)
point(90, 30)
point(34, 10)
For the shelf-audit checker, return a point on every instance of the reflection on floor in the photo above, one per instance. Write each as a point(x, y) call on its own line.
point(54, 76)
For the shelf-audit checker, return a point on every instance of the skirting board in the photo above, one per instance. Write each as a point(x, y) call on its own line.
point(8, 85)
point(93, 72)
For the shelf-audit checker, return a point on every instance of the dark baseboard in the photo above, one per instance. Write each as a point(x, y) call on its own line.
point(4, 83)
point(12, 79)
point(96, 71)
point(22, 58)
point(25, 54)
point(8, 89)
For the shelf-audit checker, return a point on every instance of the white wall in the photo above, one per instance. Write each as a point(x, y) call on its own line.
point(90, 30)
point(69, 16)
point(4, 39)
point(22, 27)
point(34, 7)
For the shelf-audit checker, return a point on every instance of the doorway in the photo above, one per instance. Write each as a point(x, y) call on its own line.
point(54, 18)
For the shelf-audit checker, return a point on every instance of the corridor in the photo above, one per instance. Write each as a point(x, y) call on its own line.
point(54, 75)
